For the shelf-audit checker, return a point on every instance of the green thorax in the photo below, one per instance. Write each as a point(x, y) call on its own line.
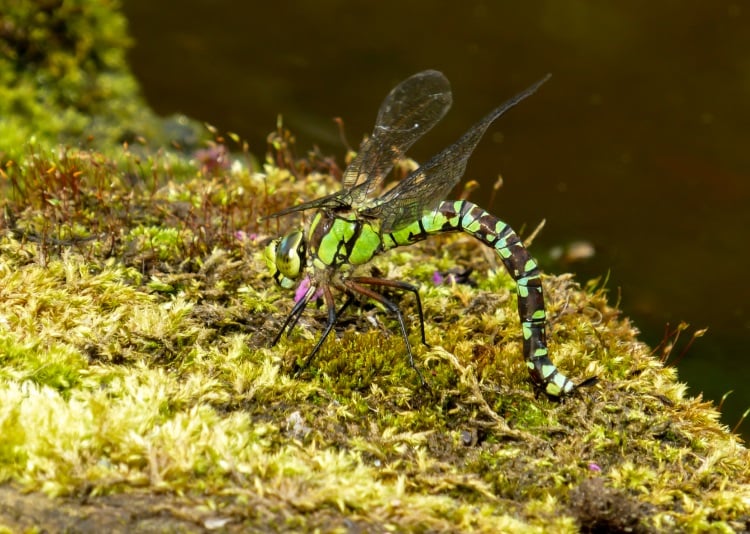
point(337, 238)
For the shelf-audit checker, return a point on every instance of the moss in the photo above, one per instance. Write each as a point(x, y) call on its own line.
point(136, 362)
point(64, 78)
point(138, 389)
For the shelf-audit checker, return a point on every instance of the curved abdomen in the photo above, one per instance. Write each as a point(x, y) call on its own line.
point(463, 216)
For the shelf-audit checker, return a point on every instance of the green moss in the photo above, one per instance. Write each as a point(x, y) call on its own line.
point(64, 78)
point(135, 366)
point(136, 358)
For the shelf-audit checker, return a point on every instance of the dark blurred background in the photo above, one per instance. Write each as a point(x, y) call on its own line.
point(639, 145)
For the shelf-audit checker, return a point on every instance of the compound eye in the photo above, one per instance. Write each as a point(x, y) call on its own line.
point(269, 254)
point(290, 254)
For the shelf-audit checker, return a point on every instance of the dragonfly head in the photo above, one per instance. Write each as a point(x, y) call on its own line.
point(285, 258)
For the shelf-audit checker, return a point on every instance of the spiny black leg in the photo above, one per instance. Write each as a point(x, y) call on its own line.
point(293, 316)
point(397, 284)
point(295, 320)
point(374, 295)
point(331, 306)
point(349, 300)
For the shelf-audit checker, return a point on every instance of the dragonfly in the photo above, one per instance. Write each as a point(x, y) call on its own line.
point(358, 222)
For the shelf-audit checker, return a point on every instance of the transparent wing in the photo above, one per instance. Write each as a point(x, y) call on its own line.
point(409, 111)
point(331, 201)
point(423, 189)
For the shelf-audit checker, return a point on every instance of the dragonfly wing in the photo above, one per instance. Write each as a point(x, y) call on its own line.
point(423, 189)
point(410, 110)
point(336, 200)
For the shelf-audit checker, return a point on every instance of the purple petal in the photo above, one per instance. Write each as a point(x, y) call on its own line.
point(302, 288)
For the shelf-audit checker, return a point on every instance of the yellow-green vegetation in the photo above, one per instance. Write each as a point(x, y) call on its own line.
point(135, 374)
point(138, 391)
point(63, 78)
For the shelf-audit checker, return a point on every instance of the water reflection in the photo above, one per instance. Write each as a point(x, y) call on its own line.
point(637, 146)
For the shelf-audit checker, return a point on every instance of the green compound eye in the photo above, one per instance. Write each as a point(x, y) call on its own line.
point(269, 254)
point(290, 254)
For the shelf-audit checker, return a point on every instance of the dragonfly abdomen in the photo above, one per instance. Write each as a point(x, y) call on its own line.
point(463, 216)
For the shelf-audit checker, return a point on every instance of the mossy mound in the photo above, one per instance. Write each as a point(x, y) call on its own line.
point(138, 391)
point(137, 384)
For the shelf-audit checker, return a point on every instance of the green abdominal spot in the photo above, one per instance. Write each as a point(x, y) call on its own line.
point(470, 224)
point(526, 329)
point(403, 236)
point(504, 252)
point(434, 222)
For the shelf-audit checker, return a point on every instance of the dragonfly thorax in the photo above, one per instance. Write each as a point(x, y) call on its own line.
point(286, 258)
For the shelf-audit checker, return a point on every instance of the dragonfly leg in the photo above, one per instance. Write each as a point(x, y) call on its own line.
point(292, 318)
point(296, 313)
point(353, 287)
point(345, 305)
point(397, 284)
point(332, 316)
